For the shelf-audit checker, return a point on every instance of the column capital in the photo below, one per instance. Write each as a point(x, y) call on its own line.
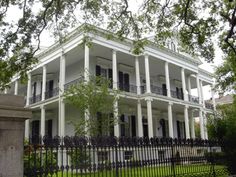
point(148, 99)
point(182, 69)
point(146, 54)
point(42, 107)
point(186, 106)
point(113, 50)
point(170, 103)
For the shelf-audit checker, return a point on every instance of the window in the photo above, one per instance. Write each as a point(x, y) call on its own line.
point(124, 81)
point(145, 127)
point(104, 72)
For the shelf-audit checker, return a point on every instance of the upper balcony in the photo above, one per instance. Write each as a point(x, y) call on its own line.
point(101, 63)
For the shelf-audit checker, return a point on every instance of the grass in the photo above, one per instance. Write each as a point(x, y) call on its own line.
point(180, 170)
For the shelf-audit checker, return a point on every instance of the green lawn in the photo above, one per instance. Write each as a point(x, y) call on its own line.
point(180, 170)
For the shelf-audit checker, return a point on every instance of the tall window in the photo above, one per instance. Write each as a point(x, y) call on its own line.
point(124, 81)
point(104, 72)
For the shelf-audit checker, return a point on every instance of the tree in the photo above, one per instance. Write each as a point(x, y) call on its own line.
point(95, 100)
point(222, 126)
point(197, 24)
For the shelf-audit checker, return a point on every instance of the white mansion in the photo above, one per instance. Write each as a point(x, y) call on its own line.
point(155, 97)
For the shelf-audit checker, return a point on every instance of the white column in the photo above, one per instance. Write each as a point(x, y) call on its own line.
point(62, 73)
point(201, 121)
point(44, 79)
point(86, 63)
point(186, 122)
point(147, 74)
point(167, 79)
point(170, 120)
point(28, 90)
point(137, 72)
point(192, 122)
point(115, 86)
point(42, 121)
point(5, 91)
point(114, 70)
point(189, 88)
point(149, 117)
point(201, 91)
point(139, 119)
point(16, 88)
point(61, 121)
point(198, 89)
point(116, 117)
point(213, 97)
point(27, 124)
point(183, 83)
point(205, 125)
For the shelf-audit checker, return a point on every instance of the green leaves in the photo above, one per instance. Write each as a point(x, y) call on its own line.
point(93, 97)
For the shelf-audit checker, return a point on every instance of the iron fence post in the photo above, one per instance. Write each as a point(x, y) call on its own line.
point(117, 167)
point(172, 158)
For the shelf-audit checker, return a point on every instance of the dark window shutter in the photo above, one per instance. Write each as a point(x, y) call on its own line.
point(164, 90)
point(177, 92)
point(178, 129)
point(49, 128)
point(50, 88)
point(34, 89)
point(121, 81)
point(41, 85)
point(133, 124)
point(122, 125)
point(184, 130)
point(145, 130)
point(110, 77)
point(182, 93)
point(126, 82)
point(98, 70)
point(163, 125)
point(35, 131)
point(145, 127)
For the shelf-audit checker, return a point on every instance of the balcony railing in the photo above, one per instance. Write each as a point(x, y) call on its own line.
point(177, 95)
point(51, 93)
point(73, 82)
point(193, 99)
point(158, 90)
point(35, 98)
point(128, 88)
point(209, 105)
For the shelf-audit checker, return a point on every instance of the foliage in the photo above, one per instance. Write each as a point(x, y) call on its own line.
point(223, 127)
point(195, 23)
point(35, 160)
point(94, 101)
point(79, 158)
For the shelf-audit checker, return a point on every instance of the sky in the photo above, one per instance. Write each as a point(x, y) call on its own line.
point(47, 40)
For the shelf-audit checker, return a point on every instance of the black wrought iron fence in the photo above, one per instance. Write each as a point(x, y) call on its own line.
point(132, 157)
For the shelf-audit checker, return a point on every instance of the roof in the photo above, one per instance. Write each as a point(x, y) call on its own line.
point(227, 99)
point(102, 32)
